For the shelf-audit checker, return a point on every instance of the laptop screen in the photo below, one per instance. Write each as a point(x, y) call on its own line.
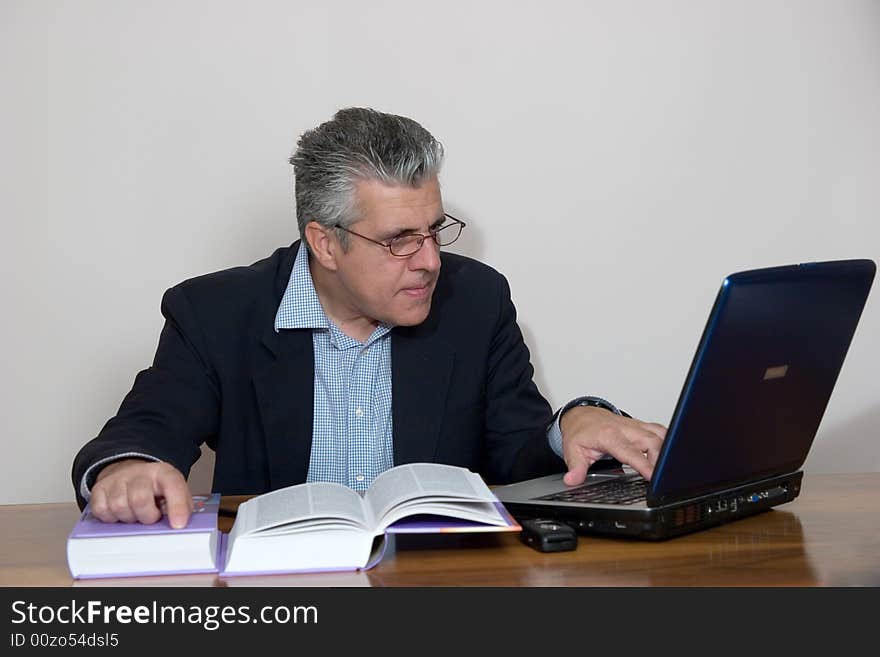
point(762, 376)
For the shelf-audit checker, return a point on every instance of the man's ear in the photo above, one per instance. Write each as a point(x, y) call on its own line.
point(323, 244)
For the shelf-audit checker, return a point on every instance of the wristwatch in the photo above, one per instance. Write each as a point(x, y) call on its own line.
point(598, 402)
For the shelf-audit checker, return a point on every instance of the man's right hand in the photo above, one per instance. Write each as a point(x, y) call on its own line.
point(133, 490)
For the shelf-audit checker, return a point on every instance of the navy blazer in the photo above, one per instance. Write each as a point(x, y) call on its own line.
point(462, 389)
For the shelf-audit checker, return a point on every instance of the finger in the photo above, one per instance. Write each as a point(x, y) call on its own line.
point(142, 501)
point(171, 485)
point(653, 451)
point(578, 459)
point(117, 500)
point(637, 448)
point(98, 505)
point(648, 437)
point(637, 460)
point(578, 464)
point(657, 429)
point(576, 474)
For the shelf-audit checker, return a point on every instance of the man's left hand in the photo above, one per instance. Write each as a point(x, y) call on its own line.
point(588, 433)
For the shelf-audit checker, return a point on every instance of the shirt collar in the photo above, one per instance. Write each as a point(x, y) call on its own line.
point(300, 307)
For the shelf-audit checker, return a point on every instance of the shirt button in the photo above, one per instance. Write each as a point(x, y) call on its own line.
point(359, 412)
point(359, 477)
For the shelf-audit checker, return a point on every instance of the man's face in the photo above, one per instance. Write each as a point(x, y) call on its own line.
point(381, 286)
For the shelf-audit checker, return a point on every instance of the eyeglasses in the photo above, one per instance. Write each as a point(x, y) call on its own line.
point(409, 244)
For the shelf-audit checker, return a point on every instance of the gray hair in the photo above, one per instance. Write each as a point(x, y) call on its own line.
point(358, 144)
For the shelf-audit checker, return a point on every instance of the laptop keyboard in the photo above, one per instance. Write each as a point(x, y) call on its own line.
point(616, 491)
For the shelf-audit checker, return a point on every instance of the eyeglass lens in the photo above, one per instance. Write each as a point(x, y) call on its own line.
point(409, 244)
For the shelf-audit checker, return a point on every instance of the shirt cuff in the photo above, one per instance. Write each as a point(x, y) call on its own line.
point(84, 488)
point(554, 435)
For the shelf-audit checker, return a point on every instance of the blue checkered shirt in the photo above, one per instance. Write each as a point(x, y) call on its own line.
point(352, 440)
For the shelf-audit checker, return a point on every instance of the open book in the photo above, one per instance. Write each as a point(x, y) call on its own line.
point(321, 526)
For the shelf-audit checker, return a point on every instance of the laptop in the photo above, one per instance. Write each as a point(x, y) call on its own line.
point(747, 415)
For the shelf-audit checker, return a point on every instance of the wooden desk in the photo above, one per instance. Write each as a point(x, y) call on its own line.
point(829, 536)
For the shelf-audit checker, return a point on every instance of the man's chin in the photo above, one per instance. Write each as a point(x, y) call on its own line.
point(413, 316)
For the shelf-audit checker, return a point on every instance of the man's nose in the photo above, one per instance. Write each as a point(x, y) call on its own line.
point(427, 258)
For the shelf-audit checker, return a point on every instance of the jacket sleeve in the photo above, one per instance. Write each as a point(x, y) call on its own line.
point(517, 415)
point(173, 406)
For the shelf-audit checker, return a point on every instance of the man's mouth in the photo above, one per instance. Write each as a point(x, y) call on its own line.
point(419, 292)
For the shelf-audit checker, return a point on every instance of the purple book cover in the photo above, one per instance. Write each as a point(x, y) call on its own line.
point(430, 524)
point(204, 518)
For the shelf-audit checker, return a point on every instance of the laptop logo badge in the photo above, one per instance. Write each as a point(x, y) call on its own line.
point(775, 372)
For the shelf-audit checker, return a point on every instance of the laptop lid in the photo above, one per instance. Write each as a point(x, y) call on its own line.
point(762, 376)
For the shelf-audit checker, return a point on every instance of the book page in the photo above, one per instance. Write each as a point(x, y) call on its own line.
point(305, 502)
point(424, 482)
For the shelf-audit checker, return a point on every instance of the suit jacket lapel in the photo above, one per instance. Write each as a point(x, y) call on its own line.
point(421, 367)
point(285, 394)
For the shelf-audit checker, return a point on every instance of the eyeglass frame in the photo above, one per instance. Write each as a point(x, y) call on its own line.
point(432, 235)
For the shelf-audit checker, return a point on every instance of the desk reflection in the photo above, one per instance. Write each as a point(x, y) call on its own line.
point(766, 550)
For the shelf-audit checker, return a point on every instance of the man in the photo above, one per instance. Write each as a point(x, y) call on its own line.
point(355, 349)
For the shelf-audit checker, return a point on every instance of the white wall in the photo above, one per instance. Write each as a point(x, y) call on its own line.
point(614, 159)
